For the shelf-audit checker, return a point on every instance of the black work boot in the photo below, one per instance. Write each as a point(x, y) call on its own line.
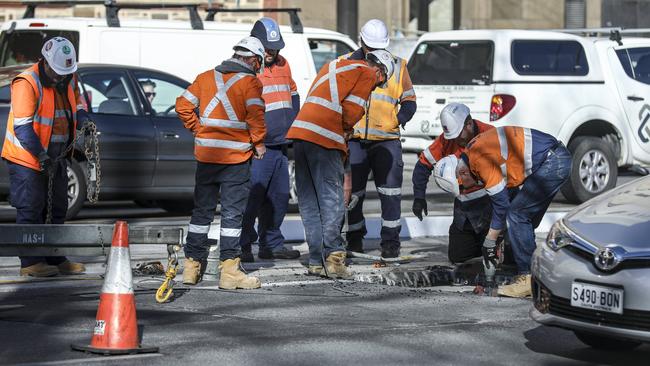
point(280, 253)
point(246, 254)
point(355, 245)
point(390, 252)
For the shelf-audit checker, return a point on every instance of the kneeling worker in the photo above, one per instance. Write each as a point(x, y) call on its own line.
point(229, 130)
point(512, 157)
point(472, 207)
point(337, 99)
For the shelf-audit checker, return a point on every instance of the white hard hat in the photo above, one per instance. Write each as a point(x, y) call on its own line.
point(452, 118)
point(374, 34)
point(252, 45)
point(60, 55)
point(383, 57)
point(444, 173)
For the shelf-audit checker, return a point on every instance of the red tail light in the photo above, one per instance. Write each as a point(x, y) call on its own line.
point(35, 25)
point(501, 105)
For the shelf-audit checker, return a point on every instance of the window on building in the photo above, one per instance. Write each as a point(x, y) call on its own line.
point(452, 63)
point(533, 57)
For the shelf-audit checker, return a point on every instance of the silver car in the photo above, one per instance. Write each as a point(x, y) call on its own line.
point(593, 274)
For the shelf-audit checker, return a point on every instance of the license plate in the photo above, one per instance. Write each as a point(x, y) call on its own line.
point(602, 298)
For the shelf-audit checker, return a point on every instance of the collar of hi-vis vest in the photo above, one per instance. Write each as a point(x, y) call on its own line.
point(233, 65)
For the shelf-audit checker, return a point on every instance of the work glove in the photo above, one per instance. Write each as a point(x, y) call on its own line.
point(45, 162)
point(419, 205)
point(489, 250)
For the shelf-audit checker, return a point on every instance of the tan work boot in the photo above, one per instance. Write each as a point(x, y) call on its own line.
point(520, 287)
point(335, 266)
point(231, 277)
point(71, 268)
point(39, 270)
point(191, 271)
point(314, 270)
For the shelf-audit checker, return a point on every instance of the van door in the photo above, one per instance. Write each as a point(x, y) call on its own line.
point(450, 71)
point(175, 166)
point(631, 68)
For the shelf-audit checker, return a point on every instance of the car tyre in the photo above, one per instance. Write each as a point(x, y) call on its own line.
point(76, 189)
point(594, 169)
point(180, 207)
point(607, 343)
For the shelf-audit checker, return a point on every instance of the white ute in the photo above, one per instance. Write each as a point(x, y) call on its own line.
point(592, 93)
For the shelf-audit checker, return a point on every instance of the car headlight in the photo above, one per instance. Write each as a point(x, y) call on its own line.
point(558, 237)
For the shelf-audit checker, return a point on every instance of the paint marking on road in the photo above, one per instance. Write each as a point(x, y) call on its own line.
point(93, 360)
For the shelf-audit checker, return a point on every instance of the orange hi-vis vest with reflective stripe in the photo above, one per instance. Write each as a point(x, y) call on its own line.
point(278, 85)
point(42, 120)
point(231, 116)
point(501, 157)
point(336, 101)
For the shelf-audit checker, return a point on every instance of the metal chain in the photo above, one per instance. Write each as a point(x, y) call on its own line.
point(93, 171)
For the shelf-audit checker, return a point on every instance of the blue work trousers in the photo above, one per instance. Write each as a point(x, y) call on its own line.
point(268, 201)
point(319, 180)
point(531, 202)
point(233, 182)
point(384, 158)
point(28, 190)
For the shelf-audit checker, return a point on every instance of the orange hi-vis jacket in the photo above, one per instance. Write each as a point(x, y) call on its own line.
point(336, 101)
point(442, 147)
point(231, 116)
point(501, 157)
point(278, 85)
point(42, 118)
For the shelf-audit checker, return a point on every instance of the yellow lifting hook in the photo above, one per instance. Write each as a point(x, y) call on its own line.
point(166, 289)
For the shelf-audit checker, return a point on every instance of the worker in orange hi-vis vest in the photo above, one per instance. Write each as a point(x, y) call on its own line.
point(229, 130)
point(45, 111)
point(504, 158)
point(336, 100)
point(472, 208)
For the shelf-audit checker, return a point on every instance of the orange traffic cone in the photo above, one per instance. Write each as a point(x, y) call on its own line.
point(116, 327)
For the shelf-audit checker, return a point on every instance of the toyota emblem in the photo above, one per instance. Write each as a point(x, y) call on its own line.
point(606, 260)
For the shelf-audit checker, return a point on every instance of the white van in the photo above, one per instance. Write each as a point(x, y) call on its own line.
point(588, 92)
point(170, 46)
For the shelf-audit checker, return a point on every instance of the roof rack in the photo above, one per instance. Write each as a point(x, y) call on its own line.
point(604, 31)
point(112, 9)
point(296, 24)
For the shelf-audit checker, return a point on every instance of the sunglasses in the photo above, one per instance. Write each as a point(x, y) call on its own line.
point(149, 94)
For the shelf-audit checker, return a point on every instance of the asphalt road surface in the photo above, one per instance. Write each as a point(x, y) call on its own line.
point(293, 320)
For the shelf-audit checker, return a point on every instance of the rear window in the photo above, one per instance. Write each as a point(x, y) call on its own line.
point(549, 58)
point(452, 63)
point(24, 46)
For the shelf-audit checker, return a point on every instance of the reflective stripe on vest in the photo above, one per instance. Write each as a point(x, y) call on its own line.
point(223, 144)
point(334, 103)
point(277, 105)
point(276, 88)
point(58, 138)
point(528, 152)
point(215, 122)
point(429, 156)
point(319, 130)
point(221, 96)
point(374, 131)
point(23, 121)
point(472, 195)
point(190, 97)
point(254, 101)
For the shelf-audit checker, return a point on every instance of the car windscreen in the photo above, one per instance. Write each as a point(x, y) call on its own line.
point(452, 63)
point(19, 47)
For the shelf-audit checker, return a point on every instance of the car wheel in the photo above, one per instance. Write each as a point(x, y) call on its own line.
point(293, 191)
point(180, 207)
point(606, 343)
point(76, 189)
point(594, 169)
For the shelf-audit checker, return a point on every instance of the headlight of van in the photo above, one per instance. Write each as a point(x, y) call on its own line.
point(558, 237)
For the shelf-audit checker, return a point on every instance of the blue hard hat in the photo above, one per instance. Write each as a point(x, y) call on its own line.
point(268, 32)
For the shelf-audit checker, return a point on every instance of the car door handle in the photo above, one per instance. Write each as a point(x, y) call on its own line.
point(634, 98)
point(440, 101)
point(170, 136)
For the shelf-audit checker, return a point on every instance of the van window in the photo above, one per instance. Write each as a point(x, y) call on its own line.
point(549, 58)
point(326, 50)
point(452, 63)
point(636, 63)
point(24, 46)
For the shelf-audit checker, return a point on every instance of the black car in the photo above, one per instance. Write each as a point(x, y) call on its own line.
point(146, 153)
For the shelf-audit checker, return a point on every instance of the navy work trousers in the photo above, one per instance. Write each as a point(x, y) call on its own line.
point(268, 201)
point(531, 202)
point(384, 158)
point(28, 190)
point(319, 180)
point(233, 180)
